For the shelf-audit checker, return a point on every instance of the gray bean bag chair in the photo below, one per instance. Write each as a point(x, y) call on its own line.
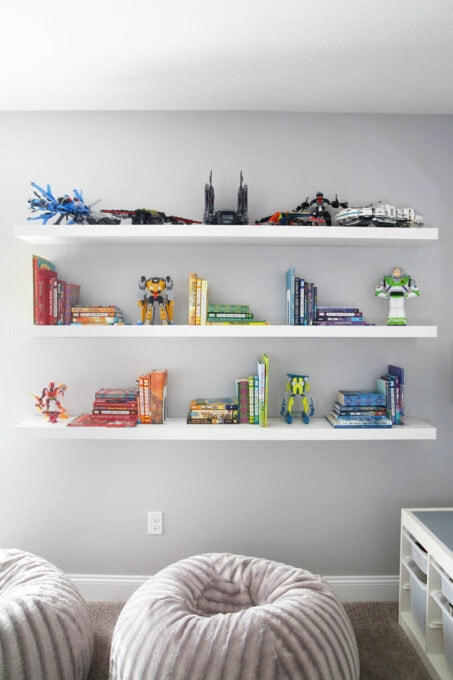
point(222, 616)
point(45, 631)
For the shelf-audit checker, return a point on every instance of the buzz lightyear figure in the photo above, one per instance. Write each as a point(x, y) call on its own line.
point(396, 288)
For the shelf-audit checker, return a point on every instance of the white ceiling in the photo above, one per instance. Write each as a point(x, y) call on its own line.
point(384, 56)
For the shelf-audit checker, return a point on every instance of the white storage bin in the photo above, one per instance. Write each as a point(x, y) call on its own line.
point(447, 627)
point(418, 586)
point(418, 554)
point(447, 583)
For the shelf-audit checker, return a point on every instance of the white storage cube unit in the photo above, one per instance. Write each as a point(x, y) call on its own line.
point(426, 586)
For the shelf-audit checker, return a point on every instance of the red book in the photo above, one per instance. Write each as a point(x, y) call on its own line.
point(43, 273)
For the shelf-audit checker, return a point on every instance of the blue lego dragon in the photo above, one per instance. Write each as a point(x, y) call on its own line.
point(73, 209)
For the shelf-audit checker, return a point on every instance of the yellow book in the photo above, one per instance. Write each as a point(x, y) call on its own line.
point(193, 277)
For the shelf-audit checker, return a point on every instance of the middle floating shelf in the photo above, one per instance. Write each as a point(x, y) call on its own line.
point(197, 332)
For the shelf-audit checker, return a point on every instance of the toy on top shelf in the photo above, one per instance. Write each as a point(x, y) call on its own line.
point(156, 300)
point(73, 209)
point(147, 216)
point(297, 386)
point(396, 288)
point(49, 404)
point(313, 213)
point(379, 215)
point(211, 216)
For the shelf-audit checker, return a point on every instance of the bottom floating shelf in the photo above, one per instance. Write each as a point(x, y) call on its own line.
point(177, 429)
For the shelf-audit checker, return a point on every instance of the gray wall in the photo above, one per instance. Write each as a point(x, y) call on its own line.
point(332, 508)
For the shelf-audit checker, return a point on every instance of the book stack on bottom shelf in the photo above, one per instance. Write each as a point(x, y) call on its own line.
point(382, 407)
point(112, 407)
point(359, 408)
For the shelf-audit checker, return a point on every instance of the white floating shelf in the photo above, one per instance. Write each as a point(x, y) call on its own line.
point(197, 234)
point(176, 429)
point(235, 331)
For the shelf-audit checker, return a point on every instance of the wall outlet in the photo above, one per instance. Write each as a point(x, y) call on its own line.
point(155, 525)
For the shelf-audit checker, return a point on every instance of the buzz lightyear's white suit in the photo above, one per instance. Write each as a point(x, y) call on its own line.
point(396, 288)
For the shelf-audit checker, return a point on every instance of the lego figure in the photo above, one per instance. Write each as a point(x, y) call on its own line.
point(396, 288)
point(297, 386)
point(379, 215)
point(156, 301)
point(312, 213)
point(49, 404)
point(212, 216)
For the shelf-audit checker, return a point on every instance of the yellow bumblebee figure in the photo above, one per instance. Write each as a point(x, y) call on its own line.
point(156, 300)
point(297, 386)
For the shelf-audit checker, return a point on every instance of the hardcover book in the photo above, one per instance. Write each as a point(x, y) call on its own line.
point(353, 424)
point(360, 398)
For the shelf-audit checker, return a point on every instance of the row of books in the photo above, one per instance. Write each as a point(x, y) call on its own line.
point(96, 314)
point(126, 407)
point(302, 308)
point(382, 407)
point(53, 298)
point(248, 405)
point(202, 312)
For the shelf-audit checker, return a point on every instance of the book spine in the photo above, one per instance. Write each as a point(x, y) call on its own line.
point(192, 298)
point(242, 395)
point(251, 399)
point(204, 302)
point(158, 396)
point(198, 303)
point(290, 276)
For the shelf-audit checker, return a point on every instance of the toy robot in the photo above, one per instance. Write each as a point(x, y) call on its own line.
point(156, 300)
point(49, 404)
point(379, 215)
point(240, 216)
point(297, 386)
point(396, 288)
point(312, 213)
point(73, 209)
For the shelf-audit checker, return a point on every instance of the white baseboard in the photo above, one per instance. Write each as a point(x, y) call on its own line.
point(114, 588)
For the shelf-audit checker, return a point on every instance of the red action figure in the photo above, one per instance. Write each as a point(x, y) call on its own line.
point(49, 404)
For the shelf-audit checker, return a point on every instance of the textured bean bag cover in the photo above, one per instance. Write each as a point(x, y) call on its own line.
point(45, 631)
point(222, 616)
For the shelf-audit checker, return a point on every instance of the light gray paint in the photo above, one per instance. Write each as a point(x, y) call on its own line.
point(330, 507)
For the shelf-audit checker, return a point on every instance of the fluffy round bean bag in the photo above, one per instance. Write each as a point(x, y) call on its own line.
point(45, 631)
point(222, 616)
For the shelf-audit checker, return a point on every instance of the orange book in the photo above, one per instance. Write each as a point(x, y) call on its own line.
point(158, 396)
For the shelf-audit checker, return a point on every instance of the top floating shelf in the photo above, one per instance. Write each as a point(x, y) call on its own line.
point(198, 234)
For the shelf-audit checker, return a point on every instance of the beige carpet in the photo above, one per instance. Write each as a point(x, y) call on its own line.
point(384, 650)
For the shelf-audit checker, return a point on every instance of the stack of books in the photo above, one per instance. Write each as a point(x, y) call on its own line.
point(359, 409)
point(152, 397)
point(53, 298)
point(201, 312)
point(96, 314)
point(112, 407)
point(340, 316)
point(213, 411)
point(229, 315)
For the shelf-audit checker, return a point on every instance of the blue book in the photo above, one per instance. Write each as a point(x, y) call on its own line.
point(398, 372)
point(290, 276)
point(355, 424)
point(360, 398)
